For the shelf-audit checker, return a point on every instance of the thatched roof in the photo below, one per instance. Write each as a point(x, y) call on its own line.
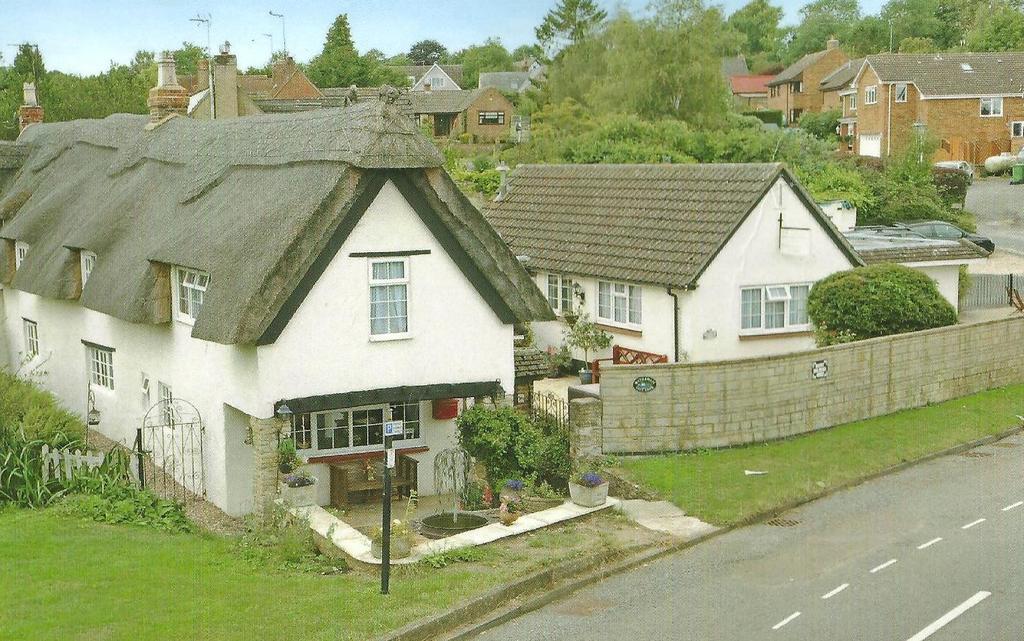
point(258, 202)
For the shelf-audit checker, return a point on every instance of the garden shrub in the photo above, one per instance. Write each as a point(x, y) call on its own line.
point(878, 300)
point(821, 125)
point(21, 467)
point(951, 185)
point(36, 412)
point(767, 116)
point(286, 542)
point(511, 446)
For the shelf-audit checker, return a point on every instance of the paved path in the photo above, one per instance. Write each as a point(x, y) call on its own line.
point(999, 208)
point(935, 552)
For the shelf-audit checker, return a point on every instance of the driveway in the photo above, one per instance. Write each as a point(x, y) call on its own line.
point(999, 208)
point(934, 552)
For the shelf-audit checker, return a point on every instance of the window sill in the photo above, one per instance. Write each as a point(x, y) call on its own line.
point(619, 329)
point(367, 455)
point(777, 334)
point(185, 320)
point(383, 338)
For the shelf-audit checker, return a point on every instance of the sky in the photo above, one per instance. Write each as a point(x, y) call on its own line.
point(84, 36)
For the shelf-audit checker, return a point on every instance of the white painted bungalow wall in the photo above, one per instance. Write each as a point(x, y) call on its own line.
point(946, 276)
point(324, 349)
point(751, 258)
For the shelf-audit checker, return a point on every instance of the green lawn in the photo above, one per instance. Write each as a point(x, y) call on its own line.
point(712, 486)
point(71, 579)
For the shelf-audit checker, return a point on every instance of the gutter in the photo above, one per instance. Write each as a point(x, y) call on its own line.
point(675, 323)
point(888, 123)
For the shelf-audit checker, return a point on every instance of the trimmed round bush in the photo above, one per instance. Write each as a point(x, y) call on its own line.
point(878, 300)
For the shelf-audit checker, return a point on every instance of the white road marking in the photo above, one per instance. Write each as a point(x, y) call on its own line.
point(949, 616)
point(831, 594)
point(785, 621)
point(971, 524)
point(883, 566)
point(929, 543)
point(1013, 505)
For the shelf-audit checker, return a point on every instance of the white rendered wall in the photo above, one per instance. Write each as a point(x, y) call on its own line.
point(947, 277)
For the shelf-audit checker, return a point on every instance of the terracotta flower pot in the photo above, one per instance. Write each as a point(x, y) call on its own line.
point(588, 496)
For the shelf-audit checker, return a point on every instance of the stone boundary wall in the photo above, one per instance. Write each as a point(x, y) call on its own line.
point(724, 403)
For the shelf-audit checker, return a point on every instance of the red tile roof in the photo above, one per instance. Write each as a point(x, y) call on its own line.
point(750, 84)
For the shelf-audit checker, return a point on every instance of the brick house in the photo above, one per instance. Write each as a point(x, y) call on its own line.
point(970, 102)
point(839, 93)
point(485, 114)
point(749, 91)
point(797, 88)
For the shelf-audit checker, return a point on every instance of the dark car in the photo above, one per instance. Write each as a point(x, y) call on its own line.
point(940, 230)
point(891, 231)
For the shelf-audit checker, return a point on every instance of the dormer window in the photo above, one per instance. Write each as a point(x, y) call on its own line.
point(87, 261)
point(20, 252)
point(188, 293)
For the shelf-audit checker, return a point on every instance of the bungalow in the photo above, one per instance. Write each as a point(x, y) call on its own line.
point(796, 89)
point(970, 103)
point(313, 274)
point(749, 92)
point(433, 77)
point(485, 114)
point(693, 262)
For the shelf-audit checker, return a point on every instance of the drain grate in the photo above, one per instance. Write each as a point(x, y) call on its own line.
point(1006, 445)
point(973, 454)
point(778, 522)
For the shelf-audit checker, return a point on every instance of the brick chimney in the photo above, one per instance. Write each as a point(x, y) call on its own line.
point(167, 97)
point(832, 43)
point(225, 83)
point(202, 75)
point(29, 113)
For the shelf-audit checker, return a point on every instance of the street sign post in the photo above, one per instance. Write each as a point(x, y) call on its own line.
point(392, 430)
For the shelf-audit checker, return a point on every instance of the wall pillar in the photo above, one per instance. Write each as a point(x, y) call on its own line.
point(265, 436)
point(586, 430)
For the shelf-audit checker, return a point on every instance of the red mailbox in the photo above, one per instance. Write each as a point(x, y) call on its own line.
point(445, 408)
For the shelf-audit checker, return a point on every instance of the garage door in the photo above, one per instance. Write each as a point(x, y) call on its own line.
point(871, 145)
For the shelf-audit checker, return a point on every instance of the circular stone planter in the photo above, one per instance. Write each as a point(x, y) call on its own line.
point(298, 496)
point(438, 526)
point(588, 496)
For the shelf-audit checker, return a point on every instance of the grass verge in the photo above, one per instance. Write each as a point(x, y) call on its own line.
point(711, 484)
point(76, 579)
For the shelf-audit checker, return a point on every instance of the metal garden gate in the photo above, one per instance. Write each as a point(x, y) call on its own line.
point(169, 451)
point(989, 291)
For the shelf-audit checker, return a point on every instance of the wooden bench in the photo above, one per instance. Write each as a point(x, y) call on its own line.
point(626, 356)
point(349, 483)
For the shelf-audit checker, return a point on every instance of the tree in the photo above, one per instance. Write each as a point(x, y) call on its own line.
point(879, 300)
point(918, 45)
point(569, 23)
point(490, 56)
point(998, 27)
point(913, 19)
point(340, 65)
point(821, 125)
point(758, 21)
point(186, 58)
point(525, 52)
point(427, 52)
point(819, 21)
point(867, 37)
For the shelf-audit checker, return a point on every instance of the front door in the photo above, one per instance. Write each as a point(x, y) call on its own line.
point(442, 125)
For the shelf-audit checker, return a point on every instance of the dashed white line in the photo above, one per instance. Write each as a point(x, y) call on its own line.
point(929, 543)
point(785, 621)
point(949, 616)
point(1013, 505)
point(971, 524)
point(829, 595)
point(883, 566)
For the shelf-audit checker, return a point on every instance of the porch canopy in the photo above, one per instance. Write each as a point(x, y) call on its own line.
point(406, 393)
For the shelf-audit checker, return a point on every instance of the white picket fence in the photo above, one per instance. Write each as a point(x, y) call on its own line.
point(64, 464)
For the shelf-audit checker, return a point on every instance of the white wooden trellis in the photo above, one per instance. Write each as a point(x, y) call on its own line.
point(64, 464)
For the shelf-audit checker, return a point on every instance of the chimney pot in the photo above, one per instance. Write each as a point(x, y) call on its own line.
point(29, 93)
point(30, 112)
point(832, 43)
point(167, 97)
point(225, 48)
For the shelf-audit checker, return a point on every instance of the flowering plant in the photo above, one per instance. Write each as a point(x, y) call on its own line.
point(300, 478)
point(590, 479)
point(514, 484)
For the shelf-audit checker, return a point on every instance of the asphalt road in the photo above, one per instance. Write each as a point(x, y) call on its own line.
point(999, 207)
point(935, 552)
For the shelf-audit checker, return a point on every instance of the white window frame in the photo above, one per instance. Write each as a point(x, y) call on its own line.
point(309, 424)
point(30, 332)
point(20, 252)
point(498, 117)
point(896, 93)
point(561, 293)
point(871, 95)
point(436, 82)
point(165, 393)
point(196, 282)
point(388, 282)
point(1017, 129)
point(853, 101)
point(624, 292)
point(993, 102)
point(771, 294)
point(101, 366)
point(87, 263)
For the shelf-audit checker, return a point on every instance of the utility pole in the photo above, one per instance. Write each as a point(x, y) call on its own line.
point(284, 36)
point(199, 19)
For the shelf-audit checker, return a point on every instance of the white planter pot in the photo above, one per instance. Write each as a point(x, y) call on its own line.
point(588, 496)
point(298, 496)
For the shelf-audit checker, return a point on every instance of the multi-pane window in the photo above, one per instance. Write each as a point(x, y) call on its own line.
point(560, 291)
point(853, 101)
point(492, 118)
point(20, 252)
point(357, 428)
point(88, 262)
point(992, 106)
point(436, 82)
point(389, 297)
point(101, 366)
point(901, 92)
point(796, 87)
point(870, 95)
point(190, 289)
point(31, 331)
point(166, 398)
point(774, 308)
point(1018, 128)
point(619, 303)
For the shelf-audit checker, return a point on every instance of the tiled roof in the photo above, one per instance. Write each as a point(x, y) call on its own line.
point(442, 102)
point(796, 70)
point(454, 71)
point(734, 66)
point(953, 74)
point(505, 80)
point(659, 224)
point(876, 249)
point(842, 76)
point(531, 362)
point(749, 84)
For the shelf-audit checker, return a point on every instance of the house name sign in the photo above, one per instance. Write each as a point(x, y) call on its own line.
point(644, 384)
point(819, 370)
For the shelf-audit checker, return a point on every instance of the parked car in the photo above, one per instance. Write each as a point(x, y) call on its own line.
point(944, 231)
point(959, 165)
point(891, 231)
